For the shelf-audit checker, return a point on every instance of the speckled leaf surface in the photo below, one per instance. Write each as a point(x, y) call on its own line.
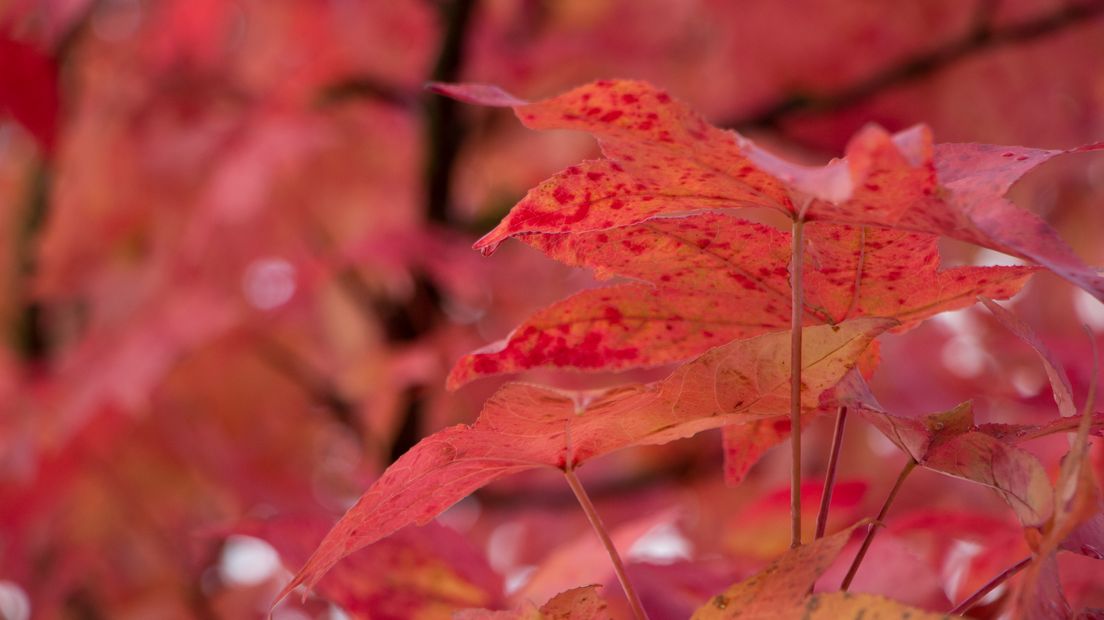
point(526, 426)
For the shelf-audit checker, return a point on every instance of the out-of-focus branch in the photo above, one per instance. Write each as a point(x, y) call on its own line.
point(444, 128)
point(444, 134)
point(29, 335)
point(982, 37)
point(314, 384)
point(366, 87)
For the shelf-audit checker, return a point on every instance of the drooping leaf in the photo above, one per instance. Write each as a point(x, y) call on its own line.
point(1074, 523)
point(576, 604)
point(782, 585)
point(711, 278)
point(832, 605)
point(1077, 508)
point(662, 158)
point(783, 590)
point(1077, 496)
point(526, 426)
point(582, 603)
point(949, 443)
point(1059, 380)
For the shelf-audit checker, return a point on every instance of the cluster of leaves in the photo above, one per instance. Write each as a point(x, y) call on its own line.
point(656, 210)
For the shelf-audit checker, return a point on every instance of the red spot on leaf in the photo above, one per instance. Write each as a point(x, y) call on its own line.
point(611, 314)
point(561, 195)
point(579, 214)
point(485, 365)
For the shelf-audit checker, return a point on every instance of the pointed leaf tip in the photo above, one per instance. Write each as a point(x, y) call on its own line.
point(479, 94)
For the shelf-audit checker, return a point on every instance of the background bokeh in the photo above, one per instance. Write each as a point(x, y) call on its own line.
point(236, 269)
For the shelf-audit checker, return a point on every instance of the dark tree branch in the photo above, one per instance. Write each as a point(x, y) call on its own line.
point(983, 37)
point(444, 127)
point(444, 135)
point(366, 87)
point(29, 333)
point(314, 384)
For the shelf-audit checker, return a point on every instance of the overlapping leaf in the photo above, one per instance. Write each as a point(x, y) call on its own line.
point(1065, 516)
point(1059, 381)
point(1072, 526)
point(526, 426)
point(663, 158)
point(784, 583)
point(782, 590)
point(1076, 494)
point(710, 278)
point(949, 443)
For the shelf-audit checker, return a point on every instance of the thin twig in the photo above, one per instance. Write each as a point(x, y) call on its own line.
point(797, 304)
point(830, 475)
point(980, 38)
point(607, 542)
point(976, 597)
point(877, 524)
